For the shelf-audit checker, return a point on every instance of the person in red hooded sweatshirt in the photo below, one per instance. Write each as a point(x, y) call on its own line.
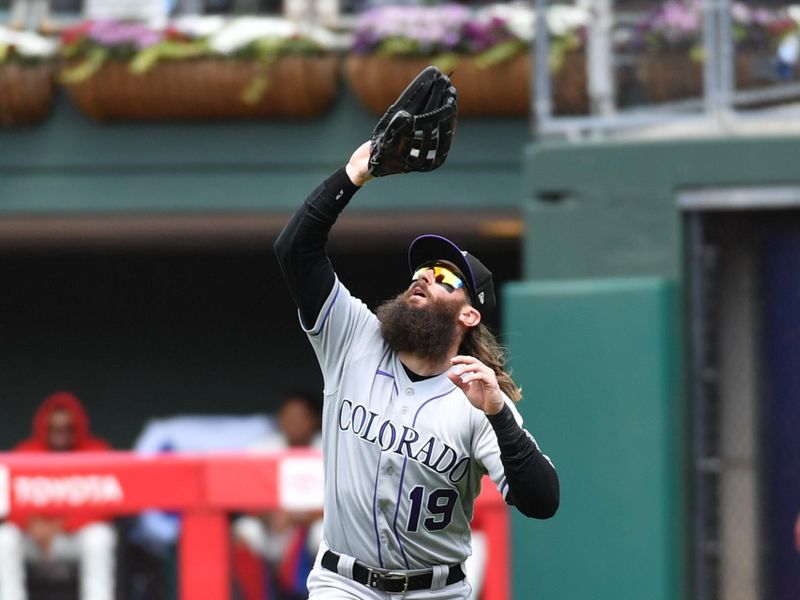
point(59, 425)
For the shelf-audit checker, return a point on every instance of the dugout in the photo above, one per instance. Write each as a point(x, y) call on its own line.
point(136, 259)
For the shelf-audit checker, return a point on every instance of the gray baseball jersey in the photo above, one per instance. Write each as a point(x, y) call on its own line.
point(403, 460)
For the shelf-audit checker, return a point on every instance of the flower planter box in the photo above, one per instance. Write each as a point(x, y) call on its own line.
point(671, 76)
point(206, 89)
point(500, 90)
point(758, 69)
point(571, 86)
point(26, 93)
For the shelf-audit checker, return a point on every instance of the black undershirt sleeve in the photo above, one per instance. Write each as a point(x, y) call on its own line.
point(301, 246)
point(301, 252)
point(532, 479)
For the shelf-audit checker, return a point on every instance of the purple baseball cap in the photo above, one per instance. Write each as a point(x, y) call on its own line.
point(431, 247)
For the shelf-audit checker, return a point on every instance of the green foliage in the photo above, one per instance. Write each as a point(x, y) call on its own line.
point(399, 46)
point(146, 59)
point(500, 53)
point(559, 48)
point(93, 62)
point(266, 51)
point(268, 48)
point(255, 90)
point(446, 62)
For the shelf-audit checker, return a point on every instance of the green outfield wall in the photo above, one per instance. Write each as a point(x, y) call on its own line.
point(596, 360)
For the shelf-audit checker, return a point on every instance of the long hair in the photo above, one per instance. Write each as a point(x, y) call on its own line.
point(481, 343)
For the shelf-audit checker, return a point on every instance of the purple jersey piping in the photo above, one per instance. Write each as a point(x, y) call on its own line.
point(375, 511)
point(403, 474)
point(386, 373)
point(503, 487)
point(377, 474)
point(327, 312)
point(390, 376)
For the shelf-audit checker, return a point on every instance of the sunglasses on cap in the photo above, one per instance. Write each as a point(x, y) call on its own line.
point(443, 275)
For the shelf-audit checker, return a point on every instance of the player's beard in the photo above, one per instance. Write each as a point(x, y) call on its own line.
point(426, 331)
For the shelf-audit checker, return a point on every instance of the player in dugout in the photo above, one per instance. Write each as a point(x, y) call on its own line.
point(417, 403)
point(60, 424)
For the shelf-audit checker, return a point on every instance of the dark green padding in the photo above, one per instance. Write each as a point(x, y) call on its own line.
point(598, 363)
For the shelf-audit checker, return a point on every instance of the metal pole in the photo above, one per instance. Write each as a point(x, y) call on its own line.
point(727, 56)
point(705, 459)
point(710, 58)
point(542, 106)
point(190, 7)
point(697, 402)
point(600, 59)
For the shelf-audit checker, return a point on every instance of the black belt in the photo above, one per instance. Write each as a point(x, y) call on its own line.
point(390, 581)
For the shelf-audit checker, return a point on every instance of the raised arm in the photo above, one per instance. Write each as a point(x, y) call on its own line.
point(301, 246)
point(414, 134)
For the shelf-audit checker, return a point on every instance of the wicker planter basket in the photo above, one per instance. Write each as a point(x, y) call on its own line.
point(676, 76)
point(757, 69)
point(671, 76)
point(207, 89)
point(26, 93)
point(500, 90)
point(571, 86)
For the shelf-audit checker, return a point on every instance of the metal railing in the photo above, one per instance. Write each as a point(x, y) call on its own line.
point(717, 108)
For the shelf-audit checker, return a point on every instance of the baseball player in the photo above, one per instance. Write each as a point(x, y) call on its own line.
point(417, 408)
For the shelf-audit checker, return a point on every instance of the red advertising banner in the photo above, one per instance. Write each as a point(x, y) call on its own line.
point(108, 482)
point(203, 488)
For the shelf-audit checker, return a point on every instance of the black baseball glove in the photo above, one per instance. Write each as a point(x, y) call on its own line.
point(416, 132)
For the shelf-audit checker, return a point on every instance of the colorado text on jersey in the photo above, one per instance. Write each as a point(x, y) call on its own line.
point(431, 453)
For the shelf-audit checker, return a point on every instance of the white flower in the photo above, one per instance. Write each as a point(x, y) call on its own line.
point(794, 12)
point(243, 31)
point(563, 18)
point(322, 36)
point(28, 43)
point(199, 25)
point(519, 18)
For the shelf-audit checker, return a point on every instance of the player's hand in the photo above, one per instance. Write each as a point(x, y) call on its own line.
point(358, 166)
point(478, 382)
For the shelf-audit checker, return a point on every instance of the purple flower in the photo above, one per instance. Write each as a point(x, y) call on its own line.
point(740, 13)
point(426, 29)
point(677, 25)
point(450, 40)
point(674, 25)
point(115, 33)
point(762, 16)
